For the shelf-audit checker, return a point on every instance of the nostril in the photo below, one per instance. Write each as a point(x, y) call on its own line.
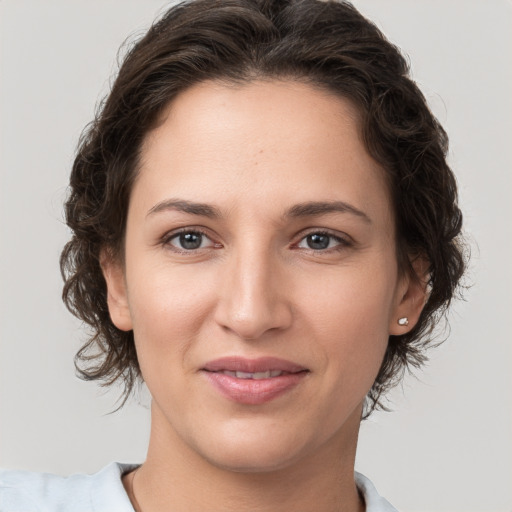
point(254, 326)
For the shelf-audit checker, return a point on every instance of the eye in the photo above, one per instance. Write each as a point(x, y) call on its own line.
point(189, 241)
point(321, 241)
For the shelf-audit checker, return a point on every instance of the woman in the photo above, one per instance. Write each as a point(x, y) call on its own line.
point(265, 232)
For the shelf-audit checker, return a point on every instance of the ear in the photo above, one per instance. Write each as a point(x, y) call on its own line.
point(117, 297)
point(412, 296)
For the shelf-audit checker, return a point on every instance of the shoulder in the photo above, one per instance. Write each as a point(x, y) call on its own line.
point(373, 500)
point(26, 491)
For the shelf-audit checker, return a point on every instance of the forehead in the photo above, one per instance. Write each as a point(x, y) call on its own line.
point(272, 140)
point(291, 109)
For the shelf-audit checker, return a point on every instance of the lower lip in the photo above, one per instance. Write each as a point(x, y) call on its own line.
point(254, 391)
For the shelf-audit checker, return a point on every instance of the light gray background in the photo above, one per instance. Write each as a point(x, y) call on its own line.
point(448, 445)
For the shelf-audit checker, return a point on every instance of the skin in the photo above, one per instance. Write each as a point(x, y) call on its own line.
point(256, 154)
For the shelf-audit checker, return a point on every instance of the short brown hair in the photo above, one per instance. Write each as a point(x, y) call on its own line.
point(327, 44)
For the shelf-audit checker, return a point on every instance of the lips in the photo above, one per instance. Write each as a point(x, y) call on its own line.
point(253, 375)
point(253, 381)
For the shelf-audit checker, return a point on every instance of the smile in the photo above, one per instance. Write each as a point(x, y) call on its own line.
point(256, 375)
point(253, 381)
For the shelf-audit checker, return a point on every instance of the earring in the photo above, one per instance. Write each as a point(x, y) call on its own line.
point(403, 321)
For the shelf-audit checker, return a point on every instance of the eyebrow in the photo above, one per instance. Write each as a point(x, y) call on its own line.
point(180, 205)
point(313, 208)
point(308, 209)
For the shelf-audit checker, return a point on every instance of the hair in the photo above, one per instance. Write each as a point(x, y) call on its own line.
point(326, 44)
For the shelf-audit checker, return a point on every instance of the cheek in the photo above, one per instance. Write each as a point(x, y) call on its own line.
point(350, 315)
point(168, 308)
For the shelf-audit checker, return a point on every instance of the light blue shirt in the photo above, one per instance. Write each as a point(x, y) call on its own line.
point(25, 491)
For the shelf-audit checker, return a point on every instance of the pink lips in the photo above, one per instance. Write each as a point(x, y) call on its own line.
point(253, 381)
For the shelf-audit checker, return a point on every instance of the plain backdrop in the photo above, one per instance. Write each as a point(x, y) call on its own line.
point(448, 444)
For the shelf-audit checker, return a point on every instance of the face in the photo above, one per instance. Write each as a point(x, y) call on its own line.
point(260, 275)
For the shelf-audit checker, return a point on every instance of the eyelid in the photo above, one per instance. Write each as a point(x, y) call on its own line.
point(343, 239)
point(173, 234)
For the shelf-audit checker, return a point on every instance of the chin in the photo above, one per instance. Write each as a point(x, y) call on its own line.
point(266, 448)
point(246, 460)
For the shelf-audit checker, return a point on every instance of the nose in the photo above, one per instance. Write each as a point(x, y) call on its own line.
point(253, 296)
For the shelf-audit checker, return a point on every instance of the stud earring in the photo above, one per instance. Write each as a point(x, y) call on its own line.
point(403, 321)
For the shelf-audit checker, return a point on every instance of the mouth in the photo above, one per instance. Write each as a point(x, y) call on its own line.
point(253, 381)
point(253, 368)
point(256, 375)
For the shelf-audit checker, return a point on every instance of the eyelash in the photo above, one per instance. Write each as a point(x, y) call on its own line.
point(341, 242)
point(167, 239)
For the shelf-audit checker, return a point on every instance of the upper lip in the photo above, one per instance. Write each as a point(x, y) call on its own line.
point(260, 364)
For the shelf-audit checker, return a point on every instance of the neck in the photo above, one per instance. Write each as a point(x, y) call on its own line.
point(175, 477)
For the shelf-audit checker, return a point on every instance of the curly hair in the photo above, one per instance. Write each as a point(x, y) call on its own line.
point(327, 44)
